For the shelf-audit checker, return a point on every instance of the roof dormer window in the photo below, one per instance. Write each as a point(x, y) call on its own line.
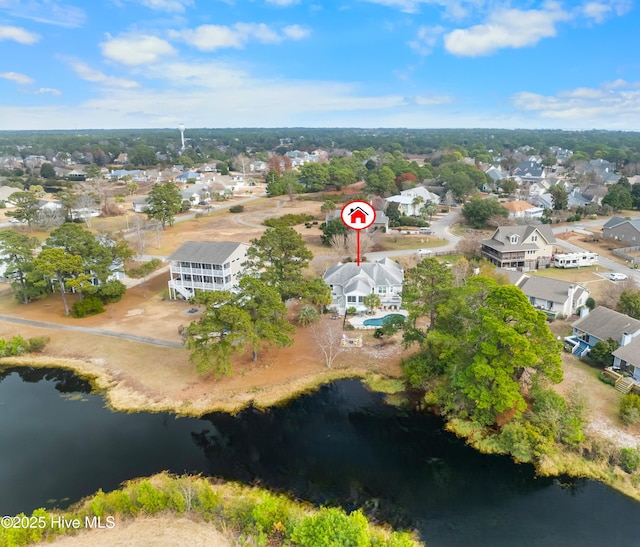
point(513, 238)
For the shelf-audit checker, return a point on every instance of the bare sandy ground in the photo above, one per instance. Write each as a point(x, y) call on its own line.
point(162, 531)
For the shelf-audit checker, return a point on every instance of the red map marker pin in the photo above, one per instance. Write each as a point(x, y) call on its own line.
point(358, 215)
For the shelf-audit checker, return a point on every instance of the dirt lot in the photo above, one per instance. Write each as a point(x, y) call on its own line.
point(165, 531)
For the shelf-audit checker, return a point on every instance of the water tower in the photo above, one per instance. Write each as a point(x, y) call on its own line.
point(181, 129)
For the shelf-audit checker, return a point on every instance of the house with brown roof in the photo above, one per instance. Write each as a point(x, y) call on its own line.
point(520, 247)
point(522, 209)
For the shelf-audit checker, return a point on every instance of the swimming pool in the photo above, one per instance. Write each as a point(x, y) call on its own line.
point(378, 321)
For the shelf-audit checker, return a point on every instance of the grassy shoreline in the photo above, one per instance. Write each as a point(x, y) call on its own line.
point(238, 514)
point(102, 382)
point(560, 462)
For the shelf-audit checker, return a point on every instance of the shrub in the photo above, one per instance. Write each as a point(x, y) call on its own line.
point(630, 459)
point(351, 311)
point(144, 269)
point(16, 346)
point(289, 219)
point(111, 291)
point(630, 409)
point(332, 528)
point(88, 306)
point(412, 221)
point(151, 499)
point(606, 379)
point(590, 303)
point(37, 344)
point(307, 316)
point(236, 208)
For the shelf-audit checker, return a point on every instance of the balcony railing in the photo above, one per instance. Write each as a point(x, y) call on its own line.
point(200, 285)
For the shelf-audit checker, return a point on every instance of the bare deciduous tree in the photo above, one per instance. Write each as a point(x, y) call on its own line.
point(611, 291)
point(320, 263)
point(348, 245)
point(328, 339)
point(469, 247)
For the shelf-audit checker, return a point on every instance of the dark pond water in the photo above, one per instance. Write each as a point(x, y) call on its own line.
point(342, 445)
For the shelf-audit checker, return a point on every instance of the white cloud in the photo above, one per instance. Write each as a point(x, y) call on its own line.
point(600, 10)
point(185, 95)
point(507, 28)
point(618, 104)
point(296, 32)
point(50, 12)
point(259, 31)
point(18, 34)
point(597, 11)
point(136, 49)
point(175, 6)
point(89, 74)
point(212, 37)
point(17, 77)
point(426, 39)
point(50, 90)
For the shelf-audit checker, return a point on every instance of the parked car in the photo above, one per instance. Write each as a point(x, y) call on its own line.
point(424, 251)
point(615, 276)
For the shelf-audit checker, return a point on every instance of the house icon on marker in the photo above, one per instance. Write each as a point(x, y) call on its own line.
point(357, 215)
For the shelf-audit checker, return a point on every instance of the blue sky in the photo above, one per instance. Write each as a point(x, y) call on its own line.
point(281, 63)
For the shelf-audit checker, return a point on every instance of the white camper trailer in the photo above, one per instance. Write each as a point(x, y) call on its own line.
point(575, 260)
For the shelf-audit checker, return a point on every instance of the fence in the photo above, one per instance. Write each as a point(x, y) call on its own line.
point(622, 253)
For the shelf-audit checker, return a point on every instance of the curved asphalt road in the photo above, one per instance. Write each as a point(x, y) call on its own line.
point(89, 330)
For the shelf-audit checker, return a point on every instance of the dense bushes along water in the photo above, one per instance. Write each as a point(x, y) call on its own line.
point(255, 516)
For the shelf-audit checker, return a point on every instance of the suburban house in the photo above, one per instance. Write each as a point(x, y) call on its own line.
point(407, 202)
point(627, 357)
point(529, 170)
point(188, 176)
point(522, 209)
point(196, 194)
point(520, 247)
point(621, 229)
point(601, 324)
point(544, 200)
point(205, 266)
point(553, 296)
point(350, 283)
point(140, 205)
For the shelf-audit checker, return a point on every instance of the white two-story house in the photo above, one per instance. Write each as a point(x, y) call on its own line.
point(350, 283)
point(205, 266)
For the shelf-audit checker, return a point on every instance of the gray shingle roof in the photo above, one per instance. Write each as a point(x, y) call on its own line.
point(383, 272)
point(631, 352)
point(614, 221)
point(500, 239)
point(207, 252)
point(604, 323)
point(546, 288)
